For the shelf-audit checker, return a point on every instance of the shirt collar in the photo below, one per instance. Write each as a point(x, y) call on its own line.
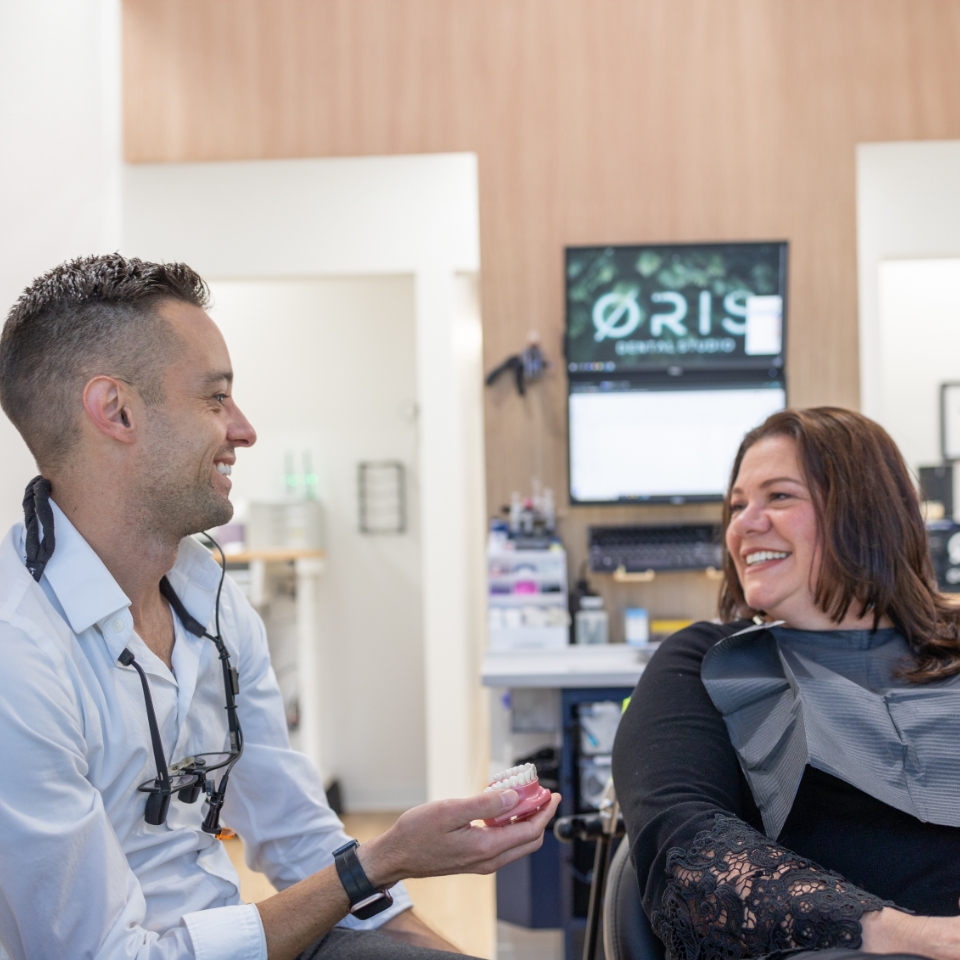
point(89, 594)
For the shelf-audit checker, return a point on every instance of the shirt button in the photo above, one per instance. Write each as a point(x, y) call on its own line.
point(118, 625)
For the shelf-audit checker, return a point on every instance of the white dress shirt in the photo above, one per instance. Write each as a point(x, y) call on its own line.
point(81, 873)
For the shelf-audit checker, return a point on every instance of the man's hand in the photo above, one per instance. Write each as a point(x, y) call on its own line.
point(440, 838)
point(432, 840)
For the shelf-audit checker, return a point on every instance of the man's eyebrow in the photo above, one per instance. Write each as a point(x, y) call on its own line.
point(212, 378)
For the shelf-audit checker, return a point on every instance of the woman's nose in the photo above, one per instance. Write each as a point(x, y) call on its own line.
point(751, 519)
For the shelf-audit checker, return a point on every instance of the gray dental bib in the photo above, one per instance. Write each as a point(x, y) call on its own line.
point(829, 699)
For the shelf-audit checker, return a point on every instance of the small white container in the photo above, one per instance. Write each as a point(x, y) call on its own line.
point(636, 626)
point(592, 622)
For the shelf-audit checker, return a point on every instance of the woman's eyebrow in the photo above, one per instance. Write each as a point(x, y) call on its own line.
point(773, 480)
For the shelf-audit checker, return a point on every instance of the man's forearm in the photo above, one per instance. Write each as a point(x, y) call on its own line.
point(303, 913)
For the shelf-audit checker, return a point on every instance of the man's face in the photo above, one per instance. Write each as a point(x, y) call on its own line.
point(190, 437)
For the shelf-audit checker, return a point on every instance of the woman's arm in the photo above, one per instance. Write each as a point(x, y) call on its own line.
point(709, 879)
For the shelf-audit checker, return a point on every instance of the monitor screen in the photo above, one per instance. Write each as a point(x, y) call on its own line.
point(707, 306)
point(630, 443)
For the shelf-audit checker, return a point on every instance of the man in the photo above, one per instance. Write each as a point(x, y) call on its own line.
point(121, 386)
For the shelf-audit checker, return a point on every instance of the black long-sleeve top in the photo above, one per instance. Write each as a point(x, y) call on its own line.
point(711, 882)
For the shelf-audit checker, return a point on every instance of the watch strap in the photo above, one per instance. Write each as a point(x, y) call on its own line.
point(365, 899)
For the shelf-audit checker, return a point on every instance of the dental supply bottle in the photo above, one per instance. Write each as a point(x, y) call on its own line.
point(592, 622)
point(549, 512)
point(516, 511)
point(291, 480)
point(310, 478)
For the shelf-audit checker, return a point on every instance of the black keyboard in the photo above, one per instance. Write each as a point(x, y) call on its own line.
point(677, 547)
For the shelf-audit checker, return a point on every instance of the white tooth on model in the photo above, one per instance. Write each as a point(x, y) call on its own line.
point(223, 468)
point(517, 776)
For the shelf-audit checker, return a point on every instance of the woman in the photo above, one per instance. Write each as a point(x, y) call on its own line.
point(790, 778)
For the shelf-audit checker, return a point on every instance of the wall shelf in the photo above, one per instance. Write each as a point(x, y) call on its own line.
point(622, 575)
point(274, 555)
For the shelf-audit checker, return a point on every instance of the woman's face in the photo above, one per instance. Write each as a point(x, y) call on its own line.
point(772, 536)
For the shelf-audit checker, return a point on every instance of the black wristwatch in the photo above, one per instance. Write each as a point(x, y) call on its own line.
point(366, 900)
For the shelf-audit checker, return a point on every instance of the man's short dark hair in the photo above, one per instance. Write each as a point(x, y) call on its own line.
point(89, 316)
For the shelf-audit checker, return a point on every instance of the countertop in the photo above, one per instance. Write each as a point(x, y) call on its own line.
point(603, 665)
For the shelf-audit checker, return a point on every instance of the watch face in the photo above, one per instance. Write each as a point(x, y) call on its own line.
point(370, 907)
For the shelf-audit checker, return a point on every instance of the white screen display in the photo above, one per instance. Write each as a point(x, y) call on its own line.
point(661, 443)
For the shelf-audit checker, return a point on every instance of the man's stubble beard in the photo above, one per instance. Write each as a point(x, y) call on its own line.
point(176, 501)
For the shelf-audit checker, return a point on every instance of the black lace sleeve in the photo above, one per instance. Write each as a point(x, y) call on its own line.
point(734, 893)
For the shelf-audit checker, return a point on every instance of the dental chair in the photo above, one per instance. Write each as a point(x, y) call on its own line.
point(614, 907)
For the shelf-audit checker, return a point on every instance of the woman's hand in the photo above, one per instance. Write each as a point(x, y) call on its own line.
point(892, 931)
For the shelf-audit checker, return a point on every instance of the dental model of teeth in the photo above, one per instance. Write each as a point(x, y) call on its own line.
point(522, 779)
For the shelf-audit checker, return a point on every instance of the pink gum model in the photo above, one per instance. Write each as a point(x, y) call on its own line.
point(533, 797)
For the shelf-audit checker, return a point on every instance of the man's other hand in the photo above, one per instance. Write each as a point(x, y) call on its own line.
point(445, 837)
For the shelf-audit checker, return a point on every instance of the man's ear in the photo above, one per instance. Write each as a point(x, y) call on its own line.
point(108, 405)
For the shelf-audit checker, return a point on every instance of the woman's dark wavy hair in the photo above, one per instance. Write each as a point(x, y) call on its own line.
point(874, 553)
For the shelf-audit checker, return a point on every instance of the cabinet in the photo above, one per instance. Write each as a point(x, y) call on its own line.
point(537, 701)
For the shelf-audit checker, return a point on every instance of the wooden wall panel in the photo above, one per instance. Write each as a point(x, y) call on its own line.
point(595, 121)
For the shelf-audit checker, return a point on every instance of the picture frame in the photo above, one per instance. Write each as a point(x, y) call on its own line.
point(950, 421)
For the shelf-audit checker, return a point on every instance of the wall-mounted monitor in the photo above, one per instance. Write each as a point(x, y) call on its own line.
point(696, 306)
point(635, 443)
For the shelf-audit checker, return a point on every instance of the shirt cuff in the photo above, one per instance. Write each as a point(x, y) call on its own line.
point(401, 902)
point(227, 933)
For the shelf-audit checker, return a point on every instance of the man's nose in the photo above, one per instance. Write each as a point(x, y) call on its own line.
point(241, 432)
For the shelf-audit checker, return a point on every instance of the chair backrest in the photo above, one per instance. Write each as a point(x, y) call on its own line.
point(627, 934)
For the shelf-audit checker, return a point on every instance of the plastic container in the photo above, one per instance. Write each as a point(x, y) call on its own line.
point(636, 626)
point(592, 625)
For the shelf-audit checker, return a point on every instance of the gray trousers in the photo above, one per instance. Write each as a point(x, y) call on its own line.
point(342, 944)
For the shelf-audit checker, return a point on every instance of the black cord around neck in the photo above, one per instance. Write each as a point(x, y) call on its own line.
point(163, 773)
point(37, 512)
point(231, 685)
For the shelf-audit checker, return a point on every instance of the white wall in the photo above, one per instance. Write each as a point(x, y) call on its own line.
point(59, 160)
point(328, 365)
point(919, 341)
point(908, 242)
point(415, 215)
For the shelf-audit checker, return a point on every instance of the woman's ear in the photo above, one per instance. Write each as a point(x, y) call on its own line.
point(107, 405)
